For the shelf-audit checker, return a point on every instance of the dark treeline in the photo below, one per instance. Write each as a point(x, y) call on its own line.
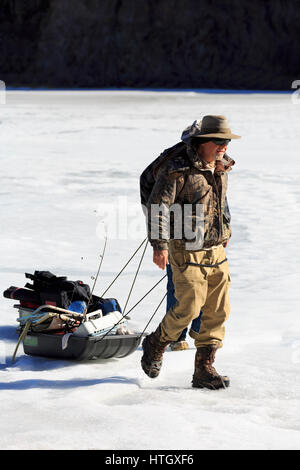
point(150, 43)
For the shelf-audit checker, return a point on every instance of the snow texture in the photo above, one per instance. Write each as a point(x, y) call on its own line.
point(64, 157)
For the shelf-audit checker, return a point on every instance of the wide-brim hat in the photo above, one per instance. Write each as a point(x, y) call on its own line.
point(210, 126)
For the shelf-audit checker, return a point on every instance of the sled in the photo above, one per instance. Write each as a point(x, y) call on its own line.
point(80, 348)
point(95, 337)
point(73, 323)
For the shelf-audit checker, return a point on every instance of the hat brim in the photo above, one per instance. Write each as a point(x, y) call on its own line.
point(219, 136)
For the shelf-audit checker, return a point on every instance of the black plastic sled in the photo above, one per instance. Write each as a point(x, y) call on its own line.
point(61, 319)
point(80, 348)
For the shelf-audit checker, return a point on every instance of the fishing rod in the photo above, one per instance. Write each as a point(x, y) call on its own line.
point(96, 277)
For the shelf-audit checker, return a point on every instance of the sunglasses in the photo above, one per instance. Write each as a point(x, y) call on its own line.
point(220, 141)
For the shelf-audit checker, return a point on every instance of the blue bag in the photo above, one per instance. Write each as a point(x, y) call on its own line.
point(78, 306)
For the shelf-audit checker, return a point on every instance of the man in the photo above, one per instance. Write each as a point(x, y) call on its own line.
point(193, 175)
point(147, 181)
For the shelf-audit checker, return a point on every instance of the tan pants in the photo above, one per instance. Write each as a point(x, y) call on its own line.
point(198, 288)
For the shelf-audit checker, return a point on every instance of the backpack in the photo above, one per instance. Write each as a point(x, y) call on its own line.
point(148, 177)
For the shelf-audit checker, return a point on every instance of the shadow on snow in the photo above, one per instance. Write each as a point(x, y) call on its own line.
point(65, 384)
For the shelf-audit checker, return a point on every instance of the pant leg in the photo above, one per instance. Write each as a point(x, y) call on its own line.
point(171, 299)
point(196, 323)
point(190, 291)
point(216, 308)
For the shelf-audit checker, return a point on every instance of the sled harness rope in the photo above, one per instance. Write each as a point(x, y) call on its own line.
point(145, 295)
point(137, 271)
point(152, 288)
point(123, 268)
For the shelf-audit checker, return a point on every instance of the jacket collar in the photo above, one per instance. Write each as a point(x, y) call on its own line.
point(181, 157)
point(200, 164)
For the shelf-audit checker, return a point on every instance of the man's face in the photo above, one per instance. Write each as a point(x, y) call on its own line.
point(209, 151)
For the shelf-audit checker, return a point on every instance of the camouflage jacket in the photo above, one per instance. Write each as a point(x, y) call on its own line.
point(178, 177)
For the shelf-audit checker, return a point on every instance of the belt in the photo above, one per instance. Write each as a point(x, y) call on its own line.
point(208, 265)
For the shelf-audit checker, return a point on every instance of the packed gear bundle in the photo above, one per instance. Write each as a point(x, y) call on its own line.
point(63, 319)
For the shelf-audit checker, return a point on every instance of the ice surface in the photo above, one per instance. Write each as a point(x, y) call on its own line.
point(64, 157)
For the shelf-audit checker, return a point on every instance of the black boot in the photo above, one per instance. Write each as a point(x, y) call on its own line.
point(153, 352)
point(205, 375)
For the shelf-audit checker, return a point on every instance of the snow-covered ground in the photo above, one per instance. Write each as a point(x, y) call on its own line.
point(68, 159)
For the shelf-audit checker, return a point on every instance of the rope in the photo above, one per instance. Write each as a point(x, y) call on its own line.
point(135, 306)
point(21, 338)
point(153, 314)
point(147, 293)
point(123, 268)
point(137, 271)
